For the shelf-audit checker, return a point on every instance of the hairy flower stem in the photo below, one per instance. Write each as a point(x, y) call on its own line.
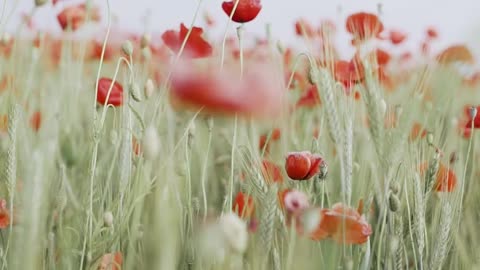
point(224, 42)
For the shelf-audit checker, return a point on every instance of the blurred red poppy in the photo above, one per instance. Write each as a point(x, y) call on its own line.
point(36, 120)
point(111, 261)
point(116, 94)
point(255, 95)
point(432, 33)
point(247, 10)
point(266, 139)
point(446, 179)
point(195, 47)
point(456, 53)
point(397, 37)
point(364, 26)
point(343, 224)
point(4, 214)
point(73, 17)
point(243, 205)
point(271, 172)
point(310, 98)
point(304, 28)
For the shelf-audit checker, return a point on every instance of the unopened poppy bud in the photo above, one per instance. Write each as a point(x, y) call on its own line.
point(5, 39)
point(383, 107)
point(146, 53)
point(312, 75)
point(108, 219)
point(393, 202)
point(134, 90)
point(394, 187)
point(151, 143)
point(430, 138)
point(145, 40)
point(473, 112)
point(39, 3)
point(127, 48)
point(149, 88)
point(67, 151)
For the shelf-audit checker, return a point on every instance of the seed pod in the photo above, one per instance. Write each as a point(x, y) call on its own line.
point(145, 40)
point(472, 112)
point(149, 88)
point(108, 219)
point(393, 202)
point(151, 143)
point(127, 48)
point(146, 53)
point(135, 92)
point(430, 138)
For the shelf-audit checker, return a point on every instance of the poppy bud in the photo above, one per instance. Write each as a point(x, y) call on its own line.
point(5, 39)
point(39, 3)
point(67, 151)
point(108, 219)
point(303, 165)
point(151, 143)
point(145, 40)
point(127, 48)
point(393, 202)
point(146, 53)
point(430, 138)
point(323, 171)
point(149, 88)
point(135, 92)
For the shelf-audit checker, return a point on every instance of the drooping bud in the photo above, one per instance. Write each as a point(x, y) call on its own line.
point(393, 202)
point(151, 143)
point(430, 138)
point(394, 187)
point(472, 112)
point(127, 48)
point(149, 88)
point(108, 219)
point(134, 90)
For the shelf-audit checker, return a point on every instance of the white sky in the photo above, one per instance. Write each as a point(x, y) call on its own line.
point(457, 20)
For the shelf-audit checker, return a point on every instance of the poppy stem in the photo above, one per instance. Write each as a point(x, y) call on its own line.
point(232, 160)
point(240, 44)
point(204, 170)
point(224, 42)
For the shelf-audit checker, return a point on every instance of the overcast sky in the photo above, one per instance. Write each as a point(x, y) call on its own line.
point(457, 20)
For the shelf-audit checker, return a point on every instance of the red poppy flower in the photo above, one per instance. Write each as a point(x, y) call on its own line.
point(243, 205)
point(364, 26)
point(348, 71)
point(310, 98)
point(341, 223)
point(397, 37)
point(446, 179)
point(111, 261)
point(456, 53)
point(266, 139)
point(74, 17)
point(303, 165)
point(432, 33)
point(246, 10)
point(381, 57)
point(256, 95)
point(196, 46)
point(4, 214)
point(271, 172)
point(96, 51)
point(116, 94)
point(417, 131)
point(304, 28)
point(36, 120)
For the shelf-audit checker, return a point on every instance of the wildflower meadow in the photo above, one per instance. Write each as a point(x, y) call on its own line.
point(187, 151)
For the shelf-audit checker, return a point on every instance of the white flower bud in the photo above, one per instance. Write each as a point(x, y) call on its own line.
point(127, 48)
point(151, 143)
point(108, 219)
point(149, 88)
